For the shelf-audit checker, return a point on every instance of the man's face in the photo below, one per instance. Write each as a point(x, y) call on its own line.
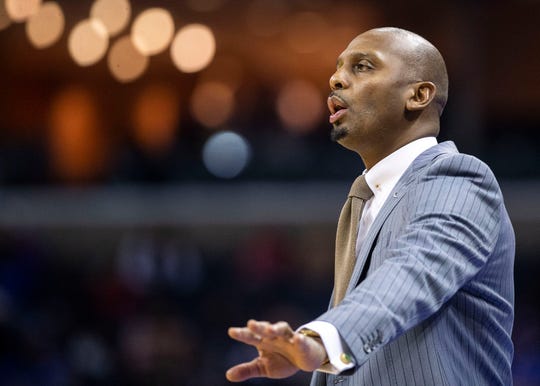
point(367, 101)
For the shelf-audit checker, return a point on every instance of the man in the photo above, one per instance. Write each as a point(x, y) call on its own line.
point(429, 299)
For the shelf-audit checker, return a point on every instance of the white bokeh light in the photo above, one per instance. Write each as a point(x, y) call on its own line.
point(226, 154)
point(114, 14)
point(152, 31)
point(45, 27)
point(88, 42)
point(193, 48)
point(20, 10)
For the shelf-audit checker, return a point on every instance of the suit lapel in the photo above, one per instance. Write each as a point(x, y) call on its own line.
point(411, 175)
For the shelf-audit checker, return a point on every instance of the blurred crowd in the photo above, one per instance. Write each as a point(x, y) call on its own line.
point(152, 310)
point(151, 307)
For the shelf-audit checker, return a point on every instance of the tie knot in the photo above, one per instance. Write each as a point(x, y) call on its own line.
point(360, 189)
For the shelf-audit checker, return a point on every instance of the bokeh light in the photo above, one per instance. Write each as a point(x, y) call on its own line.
point(125, 62)
point(226, 154)
point(46, 26)
point(114, 14)
point(152, 31)
point(193, 48)
point(263, 17)
point(88, 42)
point(156, 117)
point(212, 103)
point(300, 106)
point(5, 20)
point(20, 10)
point(307, 31)
point(76, 146)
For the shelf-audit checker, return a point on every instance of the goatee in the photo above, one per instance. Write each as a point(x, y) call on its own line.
point(338, 133)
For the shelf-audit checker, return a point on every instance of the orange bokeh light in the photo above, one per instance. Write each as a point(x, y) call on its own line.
point(125, 62)
point(156, 117)
point(212, 103)
point(300, 106)
point(76, 143)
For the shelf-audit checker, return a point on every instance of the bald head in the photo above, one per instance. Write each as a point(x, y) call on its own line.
point(389, 89)
point(422, 59)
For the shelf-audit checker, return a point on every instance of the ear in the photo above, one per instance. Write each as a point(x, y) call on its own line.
point(420, 96)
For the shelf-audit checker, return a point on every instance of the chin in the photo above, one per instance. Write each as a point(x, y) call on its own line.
point(338, 133)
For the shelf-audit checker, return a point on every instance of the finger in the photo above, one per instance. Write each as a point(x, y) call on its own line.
point(263, 329)
point(271, 331)
point(244, 335)
point(257, 327)
point(283, 329)
point(244, 371)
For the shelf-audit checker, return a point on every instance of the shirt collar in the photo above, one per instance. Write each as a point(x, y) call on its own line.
point(385, 174)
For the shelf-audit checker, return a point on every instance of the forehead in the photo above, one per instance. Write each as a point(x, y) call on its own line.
point(372, 45)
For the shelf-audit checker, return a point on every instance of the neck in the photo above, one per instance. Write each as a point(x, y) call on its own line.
point(373, 153)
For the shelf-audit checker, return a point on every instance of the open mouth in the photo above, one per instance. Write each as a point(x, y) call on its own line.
point(337, 108)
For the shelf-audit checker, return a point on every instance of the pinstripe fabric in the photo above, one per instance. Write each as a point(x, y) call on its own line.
point(436, 307)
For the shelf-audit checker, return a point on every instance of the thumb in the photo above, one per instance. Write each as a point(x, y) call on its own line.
point(244, 371)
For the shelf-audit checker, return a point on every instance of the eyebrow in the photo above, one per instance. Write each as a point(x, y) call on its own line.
point(356, 55)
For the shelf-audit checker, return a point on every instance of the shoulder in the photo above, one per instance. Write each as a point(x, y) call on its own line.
point(457, 180)
point(459, 165)
point(444, 161)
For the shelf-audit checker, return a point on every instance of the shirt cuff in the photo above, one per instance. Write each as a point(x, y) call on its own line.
point(340, 359)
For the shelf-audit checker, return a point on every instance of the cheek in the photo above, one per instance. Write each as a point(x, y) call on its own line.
point(383, 99)
point(371, 103)
point(372, 94)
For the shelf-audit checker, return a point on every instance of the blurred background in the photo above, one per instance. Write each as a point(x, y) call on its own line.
point(166, 172)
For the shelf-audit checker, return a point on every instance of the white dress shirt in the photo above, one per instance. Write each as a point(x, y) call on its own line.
point(381, 178)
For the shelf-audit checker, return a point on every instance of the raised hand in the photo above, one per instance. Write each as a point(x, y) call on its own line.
point(282, 352)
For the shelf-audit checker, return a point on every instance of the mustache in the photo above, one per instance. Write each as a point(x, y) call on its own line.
point(336, 102)
point(334, 94)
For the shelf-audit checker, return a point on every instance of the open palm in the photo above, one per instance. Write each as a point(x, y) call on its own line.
point(282, 352)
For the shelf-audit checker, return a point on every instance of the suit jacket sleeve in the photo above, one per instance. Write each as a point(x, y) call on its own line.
point(440, 235)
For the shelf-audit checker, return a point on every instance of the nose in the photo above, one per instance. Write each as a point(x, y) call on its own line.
point(337, 81)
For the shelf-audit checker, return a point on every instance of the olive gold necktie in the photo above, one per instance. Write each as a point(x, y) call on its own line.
point(347, 231)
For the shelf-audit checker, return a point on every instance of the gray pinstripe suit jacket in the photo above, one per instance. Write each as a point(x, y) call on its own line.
point(436, 307)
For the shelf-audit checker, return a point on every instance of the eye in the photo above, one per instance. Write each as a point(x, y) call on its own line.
point(362, 65)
